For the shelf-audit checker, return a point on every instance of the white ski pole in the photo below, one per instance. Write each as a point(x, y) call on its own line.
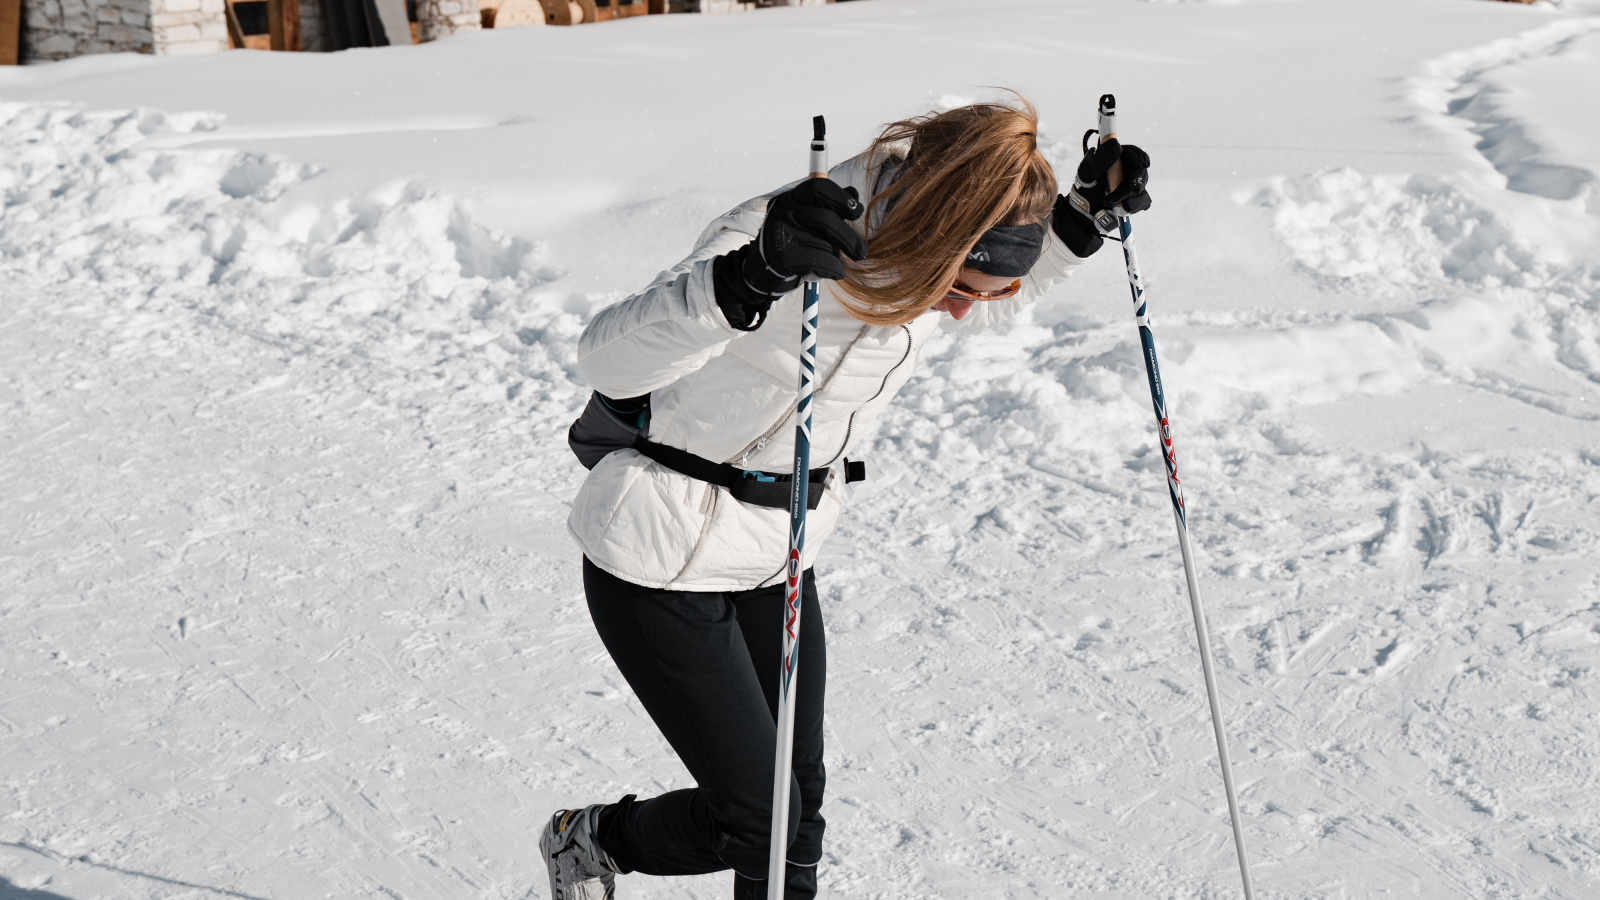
point(1147, 340)
point(777, 862)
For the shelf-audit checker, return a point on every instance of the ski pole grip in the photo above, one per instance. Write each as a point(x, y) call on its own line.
point(1108, 130)
point(819, 148)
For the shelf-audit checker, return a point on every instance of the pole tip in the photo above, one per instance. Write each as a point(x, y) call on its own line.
point(1108, 105)
point(819, 128)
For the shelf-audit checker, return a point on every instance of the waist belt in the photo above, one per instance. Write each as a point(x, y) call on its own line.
point(768, 489)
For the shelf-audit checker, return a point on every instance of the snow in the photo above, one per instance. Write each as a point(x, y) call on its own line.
point(287, 361)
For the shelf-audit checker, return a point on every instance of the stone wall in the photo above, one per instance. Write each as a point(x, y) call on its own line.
point(185, 27)
point(58, 29)
point(442, 18)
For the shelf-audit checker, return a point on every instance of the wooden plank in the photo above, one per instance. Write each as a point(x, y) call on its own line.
point(10, 32)
point(275, 24)
point(283, 24)
point(235, 33)
point(290, 16)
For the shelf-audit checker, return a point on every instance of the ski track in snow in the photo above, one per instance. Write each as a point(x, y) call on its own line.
point(291, 610)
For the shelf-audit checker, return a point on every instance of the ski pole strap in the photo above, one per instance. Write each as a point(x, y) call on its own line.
point(768, 489)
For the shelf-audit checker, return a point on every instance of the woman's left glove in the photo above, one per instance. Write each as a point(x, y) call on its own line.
point(1083, 214)
point(807, 228)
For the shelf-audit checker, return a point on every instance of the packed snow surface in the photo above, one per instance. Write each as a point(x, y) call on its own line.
point(286, 362)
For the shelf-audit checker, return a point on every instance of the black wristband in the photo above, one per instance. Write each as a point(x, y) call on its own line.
point(1075, 230)
point(744, 308)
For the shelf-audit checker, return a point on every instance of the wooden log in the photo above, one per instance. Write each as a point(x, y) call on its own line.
point(658, 7)
point(562, 12)
point(515, 13)
point(10, 32)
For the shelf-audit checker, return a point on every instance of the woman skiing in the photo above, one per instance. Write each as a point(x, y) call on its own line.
point(683, 519)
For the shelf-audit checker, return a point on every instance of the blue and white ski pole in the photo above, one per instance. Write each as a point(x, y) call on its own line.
point(1147, 341)
point(777, 862)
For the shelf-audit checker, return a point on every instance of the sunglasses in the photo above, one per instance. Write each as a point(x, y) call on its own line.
point(957, 292)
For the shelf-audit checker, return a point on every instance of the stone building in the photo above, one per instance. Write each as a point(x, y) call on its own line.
point(59, 29)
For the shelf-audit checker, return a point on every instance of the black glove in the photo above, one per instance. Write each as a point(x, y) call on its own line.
point(1075, 220)
point(806, 230)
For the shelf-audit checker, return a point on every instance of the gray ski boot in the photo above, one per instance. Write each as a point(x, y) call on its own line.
point(579, 869)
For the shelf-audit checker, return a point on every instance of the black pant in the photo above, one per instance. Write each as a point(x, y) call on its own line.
point(705, 665)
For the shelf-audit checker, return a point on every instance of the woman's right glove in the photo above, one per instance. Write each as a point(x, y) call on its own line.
point(806, 230)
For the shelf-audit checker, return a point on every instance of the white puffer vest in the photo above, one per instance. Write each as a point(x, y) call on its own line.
point(729, 396)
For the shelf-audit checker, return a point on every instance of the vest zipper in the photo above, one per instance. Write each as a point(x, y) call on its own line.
point(761, 442)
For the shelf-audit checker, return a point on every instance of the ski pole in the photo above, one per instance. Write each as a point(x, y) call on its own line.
point(777, 862)
point(1147, 340)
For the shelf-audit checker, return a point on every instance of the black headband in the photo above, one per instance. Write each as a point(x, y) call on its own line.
point(1008, 251)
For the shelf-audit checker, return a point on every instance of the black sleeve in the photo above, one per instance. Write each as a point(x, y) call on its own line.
point(1075, 230)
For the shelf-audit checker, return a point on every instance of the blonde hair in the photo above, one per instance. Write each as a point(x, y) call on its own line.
point(967, 170)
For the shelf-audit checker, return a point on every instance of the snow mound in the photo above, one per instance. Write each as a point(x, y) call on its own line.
point(402, 276)
point(1394, 232)
point(1482, 291)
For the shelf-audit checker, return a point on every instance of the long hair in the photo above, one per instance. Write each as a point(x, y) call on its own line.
point(967, 170)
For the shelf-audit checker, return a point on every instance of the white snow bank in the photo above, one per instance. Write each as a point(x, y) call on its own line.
point(1526, 120)
point(400, 275)
point(1484, 293)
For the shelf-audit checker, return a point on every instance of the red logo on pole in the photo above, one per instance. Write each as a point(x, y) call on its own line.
point(792, 596)
point(1171, 455)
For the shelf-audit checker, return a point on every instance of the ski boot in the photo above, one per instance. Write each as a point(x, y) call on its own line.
point(579, 869)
